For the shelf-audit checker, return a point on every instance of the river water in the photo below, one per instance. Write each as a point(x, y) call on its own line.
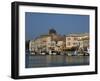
point(33, 61)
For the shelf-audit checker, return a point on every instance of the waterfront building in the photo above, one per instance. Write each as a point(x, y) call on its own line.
point(54, 42)
point(31, 45)
point(72, 41)
point(41, 43)
point(77, 41)
point(84, 42)
point(47, 42)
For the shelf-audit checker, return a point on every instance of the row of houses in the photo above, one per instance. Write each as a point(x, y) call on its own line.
point(53, 42)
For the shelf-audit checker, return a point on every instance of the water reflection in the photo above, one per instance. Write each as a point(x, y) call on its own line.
point(55, 60)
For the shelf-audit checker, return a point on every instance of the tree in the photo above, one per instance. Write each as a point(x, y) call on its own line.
point(27, 44)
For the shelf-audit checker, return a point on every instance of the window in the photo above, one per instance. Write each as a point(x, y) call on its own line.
point(75, 38)
point(68, 38)
point(68, 44)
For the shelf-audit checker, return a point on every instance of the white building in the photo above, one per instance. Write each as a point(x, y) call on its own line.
point(48, 42)
point(77, 40)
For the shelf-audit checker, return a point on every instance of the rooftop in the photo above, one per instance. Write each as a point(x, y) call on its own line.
point(78, 35)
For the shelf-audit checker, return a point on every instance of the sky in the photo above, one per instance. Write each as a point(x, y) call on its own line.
point(37, 24)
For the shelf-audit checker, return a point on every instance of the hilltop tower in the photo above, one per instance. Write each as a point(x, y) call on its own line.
point(52, 31)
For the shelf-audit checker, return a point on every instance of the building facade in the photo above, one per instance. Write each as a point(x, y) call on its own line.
point(47, 43)
point(77, 41)
point(53, 42)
